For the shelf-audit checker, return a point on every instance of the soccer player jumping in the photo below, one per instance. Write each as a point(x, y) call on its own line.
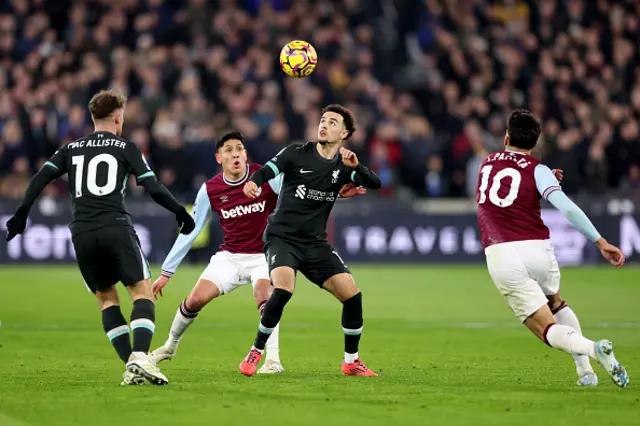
point(520, 257)
point(296, 237)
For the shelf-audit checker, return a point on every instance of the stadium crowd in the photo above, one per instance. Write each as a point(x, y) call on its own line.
point(431, 82)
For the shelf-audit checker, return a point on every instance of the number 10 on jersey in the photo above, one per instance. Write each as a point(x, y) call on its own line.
point(92, 172)
point(496, 184)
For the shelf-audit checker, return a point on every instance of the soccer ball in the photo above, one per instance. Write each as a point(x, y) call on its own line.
point(298, 59)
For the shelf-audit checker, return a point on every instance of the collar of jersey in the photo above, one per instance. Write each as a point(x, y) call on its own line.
point(515, 152)
point(236, 182)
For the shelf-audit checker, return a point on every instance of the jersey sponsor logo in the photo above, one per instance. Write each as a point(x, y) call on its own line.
point(243, 210)
point(224, 199)
point(305, 171)
point(301, 192)
point(305, 193)
point(335, 175)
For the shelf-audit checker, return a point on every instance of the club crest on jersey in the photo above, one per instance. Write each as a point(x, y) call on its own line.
point(334, 176)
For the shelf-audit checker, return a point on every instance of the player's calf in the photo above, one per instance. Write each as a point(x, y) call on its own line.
point(117, 330)
point(262, 290)
point(564, 315)
point(567, 339)
point(113, 322)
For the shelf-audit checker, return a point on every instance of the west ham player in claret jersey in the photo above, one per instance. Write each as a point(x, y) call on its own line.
point(296, 236)
point(519, 253)
point(241, 259)
point(106, 245)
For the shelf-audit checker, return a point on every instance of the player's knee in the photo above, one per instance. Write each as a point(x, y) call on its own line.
point(141, 290)
point(284, 277)
point(201, 295)
point(107, 298)
point(342, 286)
point(555, 302)
point(262, 290)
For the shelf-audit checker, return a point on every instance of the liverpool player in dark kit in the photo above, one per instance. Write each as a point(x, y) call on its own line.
point(106, 245)
point(520, 256)
point(296, 237)
point(241, 259)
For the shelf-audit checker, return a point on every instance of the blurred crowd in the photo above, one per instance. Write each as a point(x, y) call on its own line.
point(431, 83)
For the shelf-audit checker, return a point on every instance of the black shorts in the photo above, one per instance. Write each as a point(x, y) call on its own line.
point(317, 261)
point(110, 255)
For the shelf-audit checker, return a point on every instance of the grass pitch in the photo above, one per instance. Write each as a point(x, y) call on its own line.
point(447, 347)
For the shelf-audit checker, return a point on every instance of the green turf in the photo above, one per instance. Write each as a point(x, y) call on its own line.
point(447, 347)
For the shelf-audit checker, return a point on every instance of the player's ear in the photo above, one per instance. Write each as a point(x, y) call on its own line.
point(506, 139)
point(218, 158)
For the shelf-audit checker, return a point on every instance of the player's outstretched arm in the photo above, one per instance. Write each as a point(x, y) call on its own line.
point(361, 174)
point(581, 222)
point(550, 189)
point(49, 172)
point(182, 245)
point(161, 195)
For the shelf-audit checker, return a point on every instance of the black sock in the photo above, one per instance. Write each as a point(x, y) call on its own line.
point(143, 316)
point(271, 316)
point(117, 331)
point(352, 323)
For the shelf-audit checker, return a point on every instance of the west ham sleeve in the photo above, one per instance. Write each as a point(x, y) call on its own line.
point(200, 213)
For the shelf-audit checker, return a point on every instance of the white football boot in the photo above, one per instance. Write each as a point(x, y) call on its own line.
point(588, 379)
point(271, 366)
point(140, 364)
point(605, 357)
point(161, 354)
point(131, 379)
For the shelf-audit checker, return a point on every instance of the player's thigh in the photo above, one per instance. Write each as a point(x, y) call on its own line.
point(256, 271)
point(95, 268)
point(321, 263)
point(511, 277)
point(542, 264)
point(283, 260)
point(224, 272)
point(123, 245)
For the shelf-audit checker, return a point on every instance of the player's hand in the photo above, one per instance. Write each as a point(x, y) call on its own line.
point(610, 252)
point(251, 189)
point(16, 225)
point(185, 221)
point(349, 158)
point(558, 173)
point(158, 285)
point(350, 190)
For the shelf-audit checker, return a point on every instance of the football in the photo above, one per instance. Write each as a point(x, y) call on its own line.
point(298, 59)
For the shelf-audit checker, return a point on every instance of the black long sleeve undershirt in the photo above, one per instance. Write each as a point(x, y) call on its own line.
point(161, 195)
point(367, 177)
point(37, 184)
point(265, 174)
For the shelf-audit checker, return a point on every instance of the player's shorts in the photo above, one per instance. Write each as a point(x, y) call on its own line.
point(228, 271)
point(110, 255)
point(318, 261)
point(525, 272)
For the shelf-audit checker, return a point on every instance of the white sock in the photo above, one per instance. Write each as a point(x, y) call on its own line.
point(181, 322)
point(350, 358)
point(272, 346)
point(565, 316)
point(569, 340)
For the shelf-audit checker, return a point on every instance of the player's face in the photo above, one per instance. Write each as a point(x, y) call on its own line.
point(233, 157)
point(331, 129)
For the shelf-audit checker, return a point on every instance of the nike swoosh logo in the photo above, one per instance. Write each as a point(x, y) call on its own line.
point(306, 171)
